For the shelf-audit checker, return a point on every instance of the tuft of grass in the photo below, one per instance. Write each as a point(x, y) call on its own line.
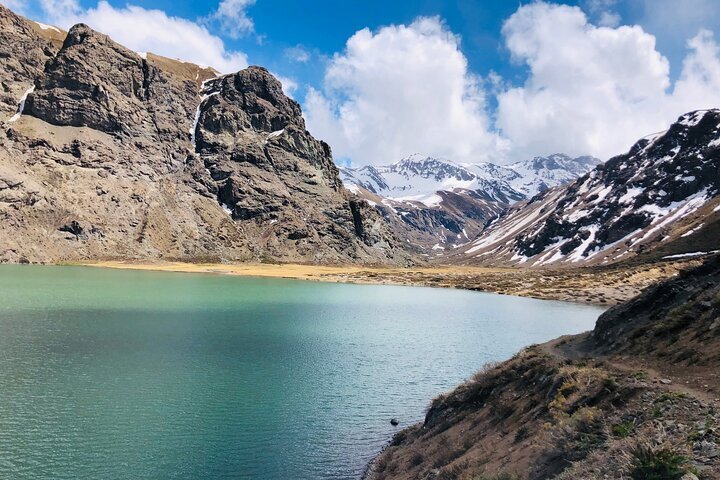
point(670, 397)
point(497, 476)
point(624, 429)
point(657, 464)
point(417, 459)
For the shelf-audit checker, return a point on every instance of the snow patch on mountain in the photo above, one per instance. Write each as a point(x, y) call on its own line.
point(418, 177)
point(656, 194)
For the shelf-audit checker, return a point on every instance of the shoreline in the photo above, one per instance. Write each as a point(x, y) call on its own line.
point(594, 286)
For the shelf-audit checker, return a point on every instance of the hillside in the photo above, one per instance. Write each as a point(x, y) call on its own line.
point(107, 153)
point(658, 200)
point(636, 398)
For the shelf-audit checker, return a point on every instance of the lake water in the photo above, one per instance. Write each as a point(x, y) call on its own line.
point(108, 374)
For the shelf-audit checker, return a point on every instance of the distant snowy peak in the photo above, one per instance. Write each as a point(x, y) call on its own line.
point(662, 196)
point(542, 173)
point(419, 178)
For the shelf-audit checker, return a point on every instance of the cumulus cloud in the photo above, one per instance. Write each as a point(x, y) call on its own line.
point(149, 31)
point(596, 89)
point(591, 88)
point(400, 90)
point(233, 18)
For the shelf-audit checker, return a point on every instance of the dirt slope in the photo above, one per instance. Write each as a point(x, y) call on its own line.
point(636, 398)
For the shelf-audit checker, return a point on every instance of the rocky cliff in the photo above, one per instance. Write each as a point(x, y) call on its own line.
point(107, 153)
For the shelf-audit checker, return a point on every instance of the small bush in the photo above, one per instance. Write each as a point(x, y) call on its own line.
point(521, 434)
point(657, 464)
point(624, 429)
point(417, 459)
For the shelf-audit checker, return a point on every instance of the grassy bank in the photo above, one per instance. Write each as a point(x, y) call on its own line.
point(598, 286)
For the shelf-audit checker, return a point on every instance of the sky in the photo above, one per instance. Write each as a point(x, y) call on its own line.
point(470, 81)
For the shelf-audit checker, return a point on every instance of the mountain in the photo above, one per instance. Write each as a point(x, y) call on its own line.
point(542, 173)
point(418, 178)
point(439, 203)
point(658, 200)
point(107, 153)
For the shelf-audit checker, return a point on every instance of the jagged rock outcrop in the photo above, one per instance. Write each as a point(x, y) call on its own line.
point(134, 156)
point(23, 53)
point(94, 82)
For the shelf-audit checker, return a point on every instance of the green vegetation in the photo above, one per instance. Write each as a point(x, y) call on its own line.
point(670, 397)
point(624, 429)
point(657, 464)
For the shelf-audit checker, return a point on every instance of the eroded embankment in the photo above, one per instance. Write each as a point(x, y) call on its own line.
point(637, 398)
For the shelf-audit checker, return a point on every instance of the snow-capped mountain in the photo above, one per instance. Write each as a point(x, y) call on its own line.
point(660, 199)
point(543, 173)
point(419, 178)
point(439, 203)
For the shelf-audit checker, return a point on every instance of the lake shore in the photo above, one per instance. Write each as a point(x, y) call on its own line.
point(605, 286)
point(635, 398)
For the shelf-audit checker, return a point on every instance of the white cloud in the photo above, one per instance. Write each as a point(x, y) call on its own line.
point(146, 30)
point(60, 8)
point(699, 84)
point(289, 85)
point(233, 17)
point(297, 54)
point(604, 12)
point(595, 89)
point(401, 90)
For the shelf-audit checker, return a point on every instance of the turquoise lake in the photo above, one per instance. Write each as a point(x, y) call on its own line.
point(110, 374)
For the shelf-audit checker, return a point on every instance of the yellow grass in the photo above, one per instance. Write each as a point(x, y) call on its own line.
point(297, 271)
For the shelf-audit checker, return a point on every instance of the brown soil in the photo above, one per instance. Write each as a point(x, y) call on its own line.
point(605, 404)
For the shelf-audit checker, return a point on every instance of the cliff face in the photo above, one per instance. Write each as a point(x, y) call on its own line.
point(121, 155)
point(636, 398)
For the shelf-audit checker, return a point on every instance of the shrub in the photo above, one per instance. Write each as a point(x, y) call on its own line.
point(624, 429)
point(657, 464)
point(417, 459)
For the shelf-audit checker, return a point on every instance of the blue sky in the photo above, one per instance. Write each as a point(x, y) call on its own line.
point(513, 79)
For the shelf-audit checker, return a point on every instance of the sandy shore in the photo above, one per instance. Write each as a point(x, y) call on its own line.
point(598, 286)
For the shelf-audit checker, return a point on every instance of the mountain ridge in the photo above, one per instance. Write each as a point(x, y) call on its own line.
point(661, 196)
point(418, 177)
point(439, 204)
point(99, 162)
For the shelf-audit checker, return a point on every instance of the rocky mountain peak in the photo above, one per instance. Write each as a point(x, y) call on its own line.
point(116, 153)
point(97, 83)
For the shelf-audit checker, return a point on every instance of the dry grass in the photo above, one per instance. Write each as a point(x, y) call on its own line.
point(585, 285)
